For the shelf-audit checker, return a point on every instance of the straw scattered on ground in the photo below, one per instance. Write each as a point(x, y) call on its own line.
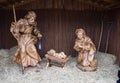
point(10, 72)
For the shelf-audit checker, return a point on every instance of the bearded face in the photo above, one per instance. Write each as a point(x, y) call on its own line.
point(31, 20)
point(31, 17)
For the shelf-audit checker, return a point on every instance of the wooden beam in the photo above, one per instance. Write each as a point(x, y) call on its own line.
point(90, 3)
point(1, 1)
point(20, 4)
point(105, 5)
point(113, 5)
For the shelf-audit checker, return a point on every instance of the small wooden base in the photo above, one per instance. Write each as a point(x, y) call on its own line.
point(51, 60)
point(86, 69)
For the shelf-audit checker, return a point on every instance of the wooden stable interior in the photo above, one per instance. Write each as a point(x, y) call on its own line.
point(58, 19)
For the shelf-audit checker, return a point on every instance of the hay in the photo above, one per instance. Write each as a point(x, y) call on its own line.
point(4, 53)
point(106, 72)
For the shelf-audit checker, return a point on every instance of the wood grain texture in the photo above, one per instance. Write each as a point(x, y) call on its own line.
point(58, 29)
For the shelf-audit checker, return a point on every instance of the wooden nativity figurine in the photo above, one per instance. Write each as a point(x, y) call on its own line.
point(26, 33)
point(86, 49)
point(53, 57)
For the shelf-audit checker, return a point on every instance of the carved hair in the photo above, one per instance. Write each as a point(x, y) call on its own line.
point(30, 14)
point(80, 30)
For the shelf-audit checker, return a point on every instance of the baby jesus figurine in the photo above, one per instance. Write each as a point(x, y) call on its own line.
point(52, 56)
point(26, 33)
point(86, 49)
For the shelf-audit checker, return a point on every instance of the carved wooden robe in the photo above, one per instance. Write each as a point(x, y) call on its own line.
point(26, 34)
point(86, 49)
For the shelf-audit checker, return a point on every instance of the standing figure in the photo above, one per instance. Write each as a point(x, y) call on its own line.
point(86, 49)
point(26, 33)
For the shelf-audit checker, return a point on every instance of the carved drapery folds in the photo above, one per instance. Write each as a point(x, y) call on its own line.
point(26, 33)
point(86, 49)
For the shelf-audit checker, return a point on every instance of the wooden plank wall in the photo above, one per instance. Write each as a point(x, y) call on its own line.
point(57, 22)
point(116, 37)
point(109, 25)
point(0, 30)
point(57, 27)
